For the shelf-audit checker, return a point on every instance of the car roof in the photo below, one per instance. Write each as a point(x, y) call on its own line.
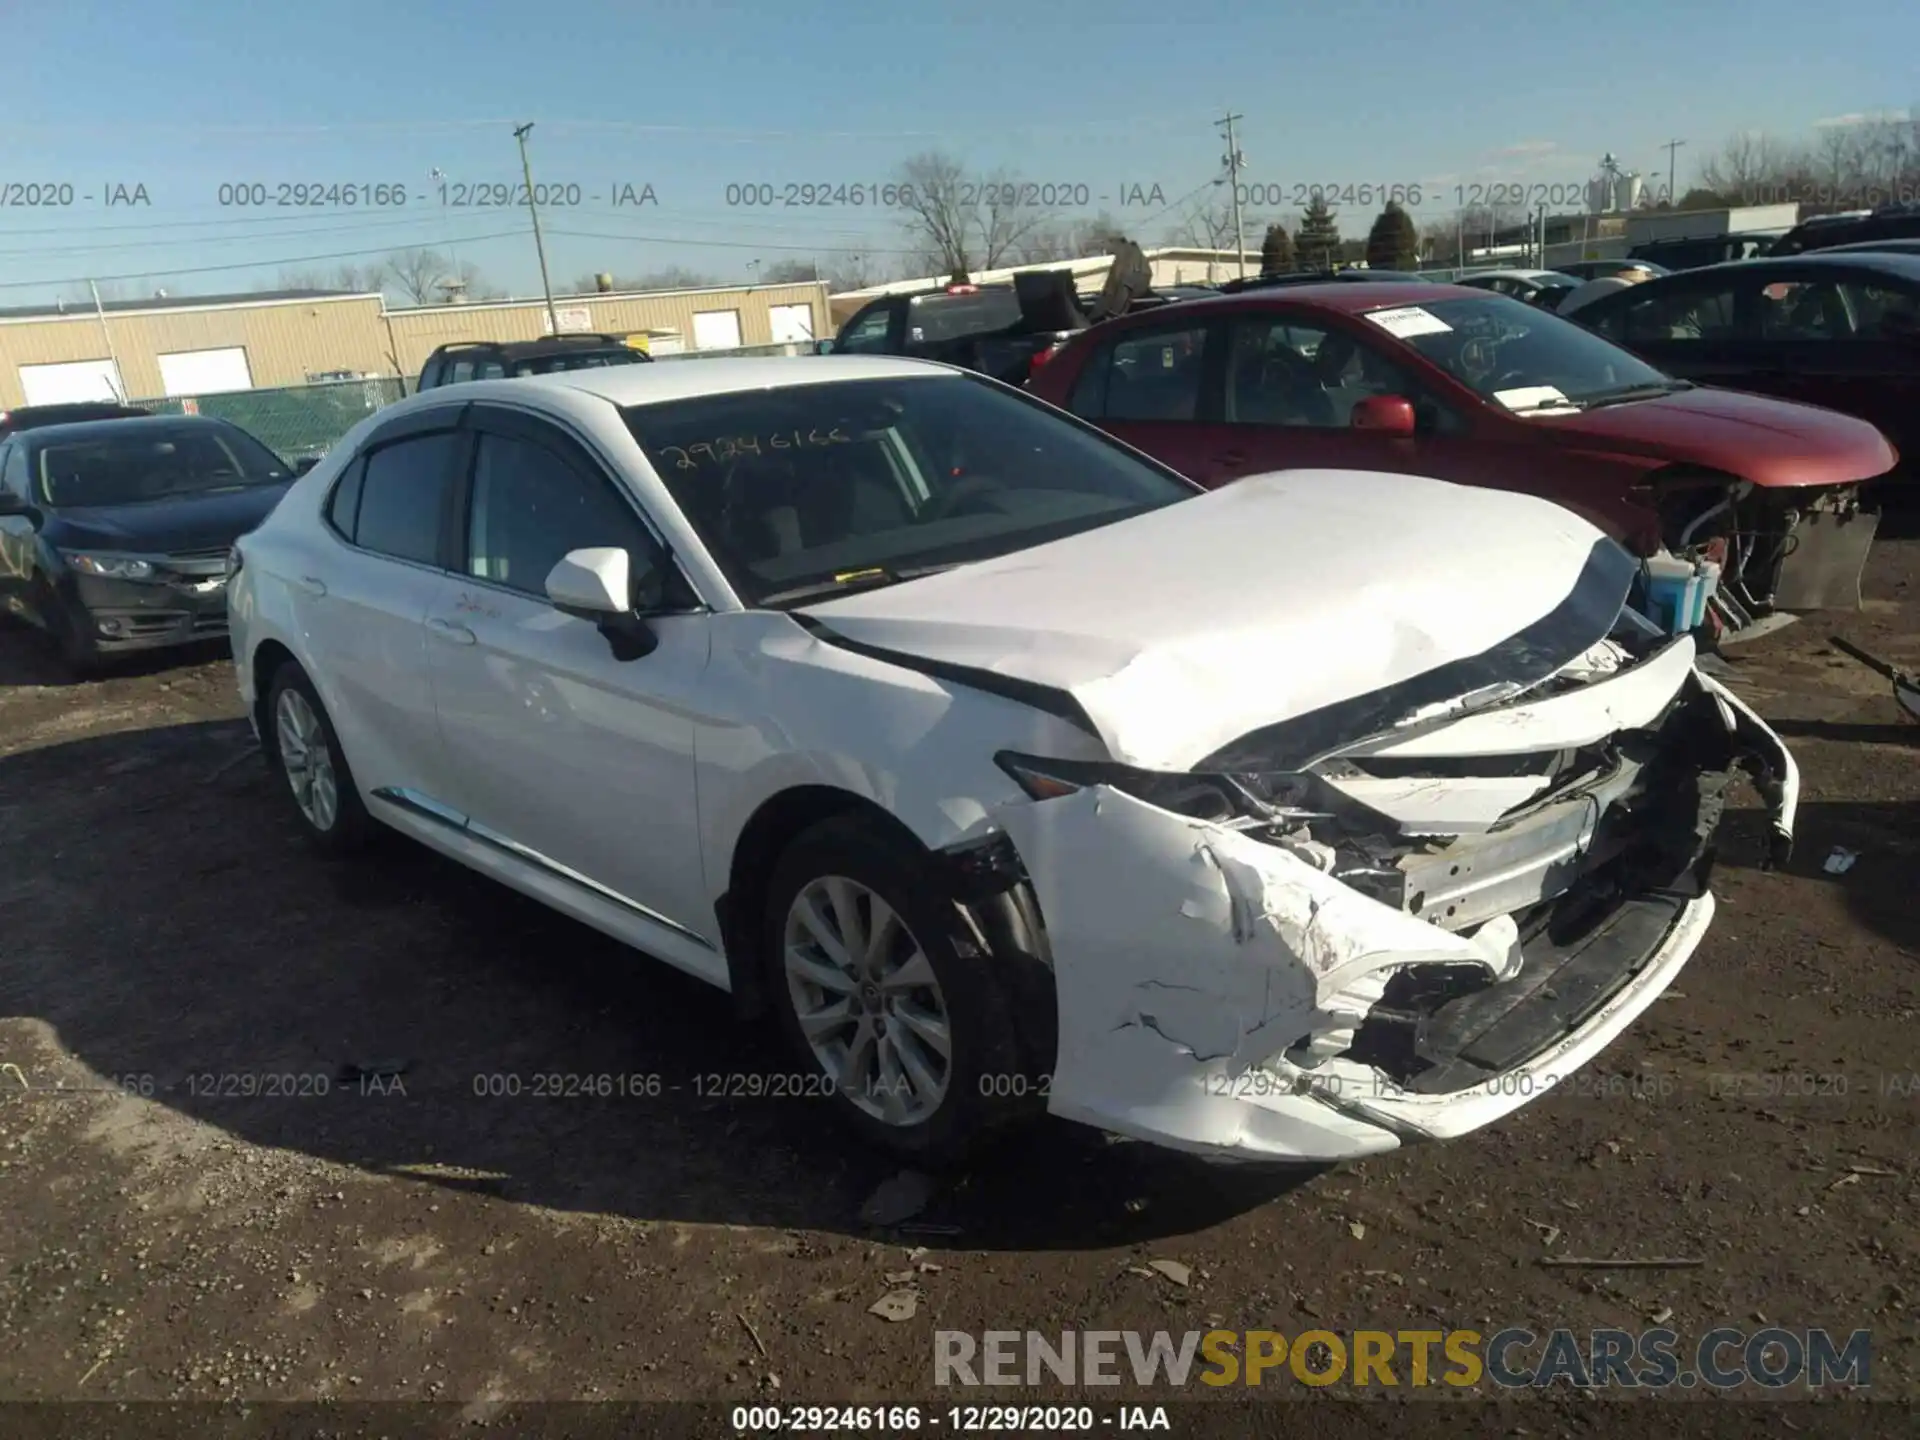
point(83, 430)
point(546, 345)
point(1896, 245)
point(1902, 264)
point(1351, 298)
point(687, 379)
point(1516, 275)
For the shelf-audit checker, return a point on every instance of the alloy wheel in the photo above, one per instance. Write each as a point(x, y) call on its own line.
point(307, 760)
point(868, 1001)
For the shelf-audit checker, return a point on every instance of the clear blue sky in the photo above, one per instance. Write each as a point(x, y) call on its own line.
point(182, 96)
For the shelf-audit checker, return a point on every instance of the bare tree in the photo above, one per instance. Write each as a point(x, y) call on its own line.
point(850, 271)
point(418, 274)
point(1209, 225)
point(1751, 167)
point(790, 272)
point(962, 222)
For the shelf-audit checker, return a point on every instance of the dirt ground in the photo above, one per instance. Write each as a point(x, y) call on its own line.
point(167, 940)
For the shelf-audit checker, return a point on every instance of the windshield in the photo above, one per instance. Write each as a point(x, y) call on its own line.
point(135, 463)
point(809, 488)
point(1514, 354)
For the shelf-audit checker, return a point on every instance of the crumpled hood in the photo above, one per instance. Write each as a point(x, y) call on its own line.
point(1293, 597)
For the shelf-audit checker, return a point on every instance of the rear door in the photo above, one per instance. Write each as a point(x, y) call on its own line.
point(1157, 387)
point(362, 595)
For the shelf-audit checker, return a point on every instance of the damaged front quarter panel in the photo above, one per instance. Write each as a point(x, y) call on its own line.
point(1186, 955)
point(1221, 990)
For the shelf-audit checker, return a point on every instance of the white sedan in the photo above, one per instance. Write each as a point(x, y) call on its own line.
point(1295, 820)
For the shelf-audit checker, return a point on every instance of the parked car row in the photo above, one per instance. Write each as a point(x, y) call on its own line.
point(1484, 389)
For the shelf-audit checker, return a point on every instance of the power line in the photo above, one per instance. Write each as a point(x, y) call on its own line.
point(280, 263)
point(638, 127)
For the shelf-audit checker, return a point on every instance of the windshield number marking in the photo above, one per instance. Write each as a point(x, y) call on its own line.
point(730, 447)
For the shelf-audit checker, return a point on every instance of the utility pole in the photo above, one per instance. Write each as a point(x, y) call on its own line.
point(1670, 147)
point(119, 381)
point(1233, 161)
point(539, 245)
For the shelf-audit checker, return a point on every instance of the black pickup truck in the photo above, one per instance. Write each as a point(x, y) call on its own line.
point(1003, 330)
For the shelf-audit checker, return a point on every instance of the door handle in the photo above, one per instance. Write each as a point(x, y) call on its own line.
point(1231, 457)
point(313, 585)
point(452, 632)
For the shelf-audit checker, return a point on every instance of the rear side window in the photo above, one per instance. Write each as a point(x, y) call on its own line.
point(1148, 375)
point(343, 506)
point(403, 488)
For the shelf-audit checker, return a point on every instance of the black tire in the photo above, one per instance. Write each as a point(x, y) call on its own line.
point(351, 828)
point(72, 636)
point(986, 1086)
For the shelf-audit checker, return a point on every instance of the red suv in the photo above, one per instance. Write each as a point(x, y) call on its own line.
point(1463, 385)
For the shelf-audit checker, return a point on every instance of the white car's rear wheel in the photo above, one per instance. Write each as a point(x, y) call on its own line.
point(305, 750)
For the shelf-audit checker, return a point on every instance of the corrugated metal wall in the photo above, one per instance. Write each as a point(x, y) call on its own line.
point(417, 332)
point(286, 341)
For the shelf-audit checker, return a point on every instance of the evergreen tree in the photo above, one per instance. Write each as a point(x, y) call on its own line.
point(1393, 243)
point(1276, 251)
point(1317, 241)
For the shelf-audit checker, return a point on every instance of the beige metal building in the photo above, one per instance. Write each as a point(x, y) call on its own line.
point(215, 344)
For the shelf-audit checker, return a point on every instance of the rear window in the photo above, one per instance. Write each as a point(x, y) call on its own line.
point(932, 318)
point(578, 360)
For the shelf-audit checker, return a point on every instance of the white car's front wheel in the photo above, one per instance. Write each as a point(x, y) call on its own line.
point(885, 996)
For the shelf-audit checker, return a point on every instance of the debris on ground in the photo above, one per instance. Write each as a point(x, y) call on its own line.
point(1571, 1262)
point(1176, 1272)
point(1840, 861)
point(896, 1305)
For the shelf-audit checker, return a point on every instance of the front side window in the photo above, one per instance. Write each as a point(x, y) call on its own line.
point(531, 507)
point(1515, 355)
point(402, 495)
point(803, 488)
point(1803, 310)
point(1680, 314)
point(134, 464)
point(1282, 371)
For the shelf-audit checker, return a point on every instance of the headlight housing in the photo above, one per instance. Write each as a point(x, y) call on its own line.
point(1218, 798)
point(109, 567)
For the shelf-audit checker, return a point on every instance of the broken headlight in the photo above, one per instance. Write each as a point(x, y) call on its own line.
point(1213, 797)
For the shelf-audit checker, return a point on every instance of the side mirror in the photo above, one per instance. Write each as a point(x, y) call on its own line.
point(304, 464)
point(823, 347)
point(1391, 414)
point(597, 584)
point(11, 504)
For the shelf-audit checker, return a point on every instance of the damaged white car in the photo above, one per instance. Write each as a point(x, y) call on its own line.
point(1295, 820)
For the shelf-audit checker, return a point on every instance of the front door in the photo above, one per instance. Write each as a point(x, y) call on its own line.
point(581, 761)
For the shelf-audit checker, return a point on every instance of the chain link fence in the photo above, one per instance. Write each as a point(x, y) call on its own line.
point(296, 421)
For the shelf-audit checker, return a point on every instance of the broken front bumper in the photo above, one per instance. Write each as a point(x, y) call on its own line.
point(1200, 970)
